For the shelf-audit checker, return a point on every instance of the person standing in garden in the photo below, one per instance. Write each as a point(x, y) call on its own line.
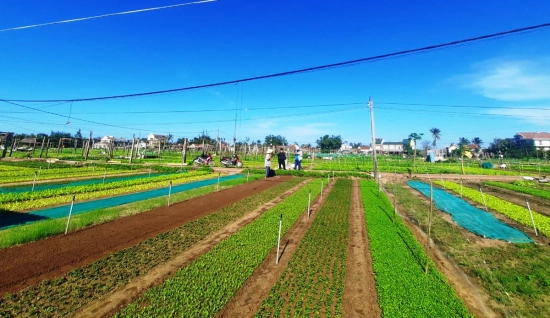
point(298, 158)
point(281, 157)
point(267, 162)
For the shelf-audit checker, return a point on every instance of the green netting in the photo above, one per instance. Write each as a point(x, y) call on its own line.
point(477, 221)
point(14, 219)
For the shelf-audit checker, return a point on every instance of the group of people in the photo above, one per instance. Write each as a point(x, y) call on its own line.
point(281, 158)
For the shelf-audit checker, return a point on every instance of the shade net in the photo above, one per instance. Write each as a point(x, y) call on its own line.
point(475, 220)
point(11, 219)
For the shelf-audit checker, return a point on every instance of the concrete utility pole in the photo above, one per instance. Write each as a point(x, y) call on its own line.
point(374, 162)
point(132, 149)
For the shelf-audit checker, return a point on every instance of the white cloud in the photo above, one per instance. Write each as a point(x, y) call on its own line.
point(518, 80)
point(533, 116)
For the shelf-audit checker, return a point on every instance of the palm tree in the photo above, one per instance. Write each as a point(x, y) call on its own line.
point(414, 137)
point(477, 141)
point(462, 149)
point(436, 135)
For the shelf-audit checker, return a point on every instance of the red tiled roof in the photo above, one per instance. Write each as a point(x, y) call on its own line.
point(534, 135)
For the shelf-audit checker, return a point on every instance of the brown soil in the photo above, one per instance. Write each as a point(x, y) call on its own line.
point(360, 298)
point(247, 300)
point(25, 265)
point(119, 298)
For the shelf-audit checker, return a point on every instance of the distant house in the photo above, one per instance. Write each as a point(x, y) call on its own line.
point(388, 147)
point(346, 148)
point(540, 140)
point(365, 150)
point(155, 140)
point(155, 137)
point(104, 143)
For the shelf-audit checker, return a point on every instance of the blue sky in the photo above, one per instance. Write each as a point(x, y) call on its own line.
point(504, 82)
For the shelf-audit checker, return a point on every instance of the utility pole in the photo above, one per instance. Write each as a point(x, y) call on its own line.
point(132, 149)
point(374, 162)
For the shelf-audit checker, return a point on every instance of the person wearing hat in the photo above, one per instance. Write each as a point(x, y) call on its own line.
point(298, 158)
point(267, 162)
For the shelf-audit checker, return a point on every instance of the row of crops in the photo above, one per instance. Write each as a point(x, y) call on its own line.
point(312, 283)
point(204, 287)
point(515, 212)
point(37, 171)
point(63, 296)
point(404, 288)
point(21, 201)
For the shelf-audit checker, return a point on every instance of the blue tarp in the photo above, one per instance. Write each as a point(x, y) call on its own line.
point(12, 219)
point(475, 220)
point(49, 186)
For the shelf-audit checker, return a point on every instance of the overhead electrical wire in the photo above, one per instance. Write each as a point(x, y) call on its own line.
point(294, 107)
point(303, 70)
point(105, 15)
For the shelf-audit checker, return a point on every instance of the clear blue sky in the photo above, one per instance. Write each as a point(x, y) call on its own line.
point(507, 79)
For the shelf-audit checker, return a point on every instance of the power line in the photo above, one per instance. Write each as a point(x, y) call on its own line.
point(105, 15)
point(304, 70)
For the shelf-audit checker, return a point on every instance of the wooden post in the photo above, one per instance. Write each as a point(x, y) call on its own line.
point(69, 218)
point(47, 148)
point(279, 239)
point(532, 219)
point(169, 192)
point(309, 204)
point(88, 146)
point(429, 227)
point(42, 146)
point(184, 152)
point(483, 197)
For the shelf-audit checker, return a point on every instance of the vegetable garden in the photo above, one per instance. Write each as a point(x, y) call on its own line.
point(195, 252)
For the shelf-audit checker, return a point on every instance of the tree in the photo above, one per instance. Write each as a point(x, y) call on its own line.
point(272, 140)
point(203, 137)
point(478, 142)
point(415, 137)
point(78, 134)
point(327, 143)
point(426, 144)
point(462, 150)
point(436, 135)
point(56, 135)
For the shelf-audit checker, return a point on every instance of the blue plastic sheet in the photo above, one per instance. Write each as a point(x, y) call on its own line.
point(475, 220)
point(8, 220)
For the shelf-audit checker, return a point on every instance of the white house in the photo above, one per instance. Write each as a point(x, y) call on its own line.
point(156, 140)
point(541, 140)
point(105, 142)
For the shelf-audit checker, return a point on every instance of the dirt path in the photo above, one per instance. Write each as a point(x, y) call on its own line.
point(247, 300)
point(25, 265)
point(118, 299)
point(360, 297)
